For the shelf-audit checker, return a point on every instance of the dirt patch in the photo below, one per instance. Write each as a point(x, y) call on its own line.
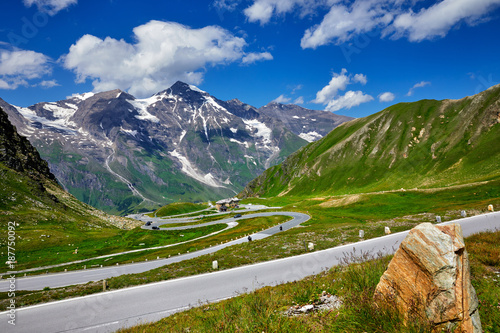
point(344, 201)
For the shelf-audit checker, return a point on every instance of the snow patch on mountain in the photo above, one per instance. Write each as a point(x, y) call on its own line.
point(239, 142)
point(262, 130)
point(61, 124)
point(73, 106)
point(195, 88)
point(82, 97)
point(310, 136)
point(60, 112)
point(130, 132)
point(190, 170)
point(181, 137)
point(141, 105)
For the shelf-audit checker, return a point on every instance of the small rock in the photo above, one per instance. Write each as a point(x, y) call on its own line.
point(306, 308)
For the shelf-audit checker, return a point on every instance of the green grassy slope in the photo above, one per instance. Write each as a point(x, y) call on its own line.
point(45, 224)
point(422, 144)
point(177, 208)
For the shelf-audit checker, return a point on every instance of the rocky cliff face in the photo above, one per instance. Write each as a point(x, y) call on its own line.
point(430, 277)
point(116, 152)
point(17, 153)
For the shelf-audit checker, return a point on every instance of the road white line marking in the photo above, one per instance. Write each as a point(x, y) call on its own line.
point(102, 325)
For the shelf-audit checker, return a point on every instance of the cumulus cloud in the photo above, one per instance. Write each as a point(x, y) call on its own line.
point(296, 88)
point(347, 19)
point(347, 101)
point(263, 10)
point(417, 85)
point(338, 82)
point(229, 5)
point(299, 100)
point(17, 67)
point(439, 18)
point(282, 99)
point(50, 7)
point(329, 95)
point(48, 84)
point(386, 97)
point(342, 23)
point(163, 52)
point(250, 58)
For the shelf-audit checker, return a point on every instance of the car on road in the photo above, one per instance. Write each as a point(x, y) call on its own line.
point(148, 223)
point(237, 215)
point(155, 228)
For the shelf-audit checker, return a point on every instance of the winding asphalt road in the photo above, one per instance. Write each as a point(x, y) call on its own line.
point(107, 312)
point(56, 280)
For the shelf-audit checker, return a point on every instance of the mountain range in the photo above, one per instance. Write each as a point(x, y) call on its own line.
point(30, 194)
point(423, 144)
point(120, 154)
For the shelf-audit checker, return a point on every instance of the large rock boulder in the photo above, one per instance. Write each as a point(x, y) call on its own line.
point(429, 276)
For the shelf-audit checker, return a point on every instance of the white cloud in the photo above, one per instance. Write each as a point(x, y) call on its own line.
point(299, 100)
point(49, 84)
point(19, 66)
point(282, 99)
point(439, 18)
point(4, 84)
point(361, 78)
point(347, 101)
point(347, 19)
point(163, 53)
point(50, 7)
point(263, 10)
point(343, 23)
point(386, 97)
point(339, 82)
point(296, 88)
point(250, 58)
point(417, 85)
point(229, 5)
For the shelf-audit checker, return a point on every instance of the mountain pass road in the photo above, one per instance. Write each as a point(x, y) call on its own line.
point(39, 282)
point(109, 311)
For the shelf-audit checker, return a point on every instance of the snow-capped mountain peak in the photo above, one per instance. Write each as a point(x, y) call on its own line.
point(181, 143)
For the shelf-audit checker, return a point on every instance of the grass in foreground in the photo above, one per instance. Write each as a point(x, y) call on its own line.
point(263, 310)
point(178, 208)
point(330, 225)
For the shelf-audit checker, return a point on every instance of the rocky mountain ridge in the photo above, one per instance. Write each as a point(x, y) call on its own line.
point(30, 194)
point(428, 143)
point(18, 154)
point(116, 152)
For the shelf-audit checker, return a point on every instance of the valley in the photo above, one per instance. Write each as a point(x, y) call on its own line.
point(250, 166)
point(366, 175)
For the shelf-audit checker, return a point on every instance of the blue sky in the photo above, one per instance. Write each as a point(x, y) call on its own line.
point(352, 57)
